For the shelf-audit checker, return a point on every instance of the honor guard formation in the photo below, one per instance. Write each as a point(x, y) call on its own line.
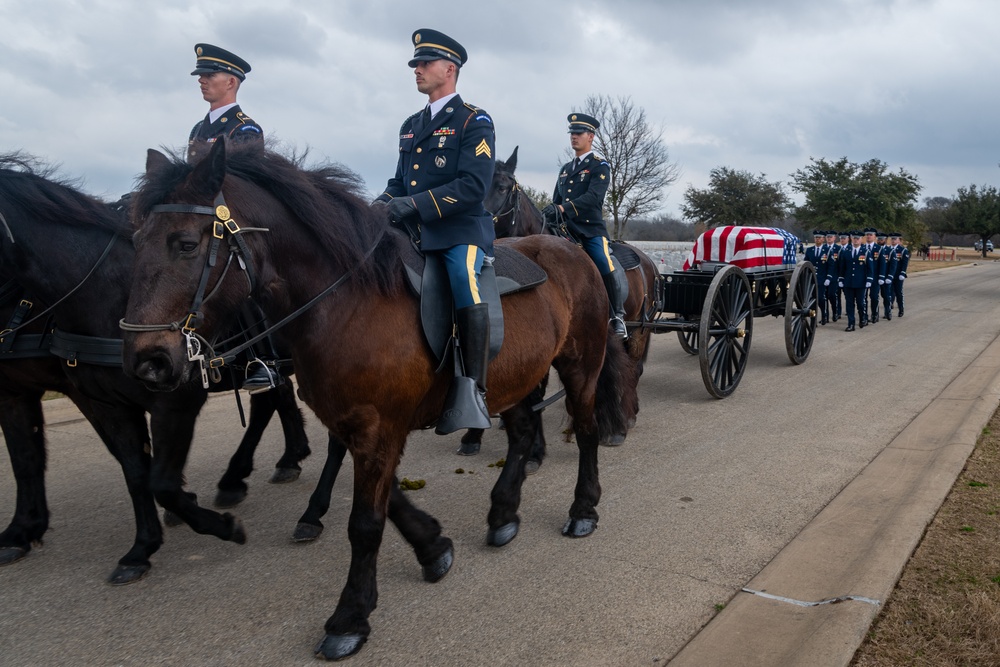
point(867, 273)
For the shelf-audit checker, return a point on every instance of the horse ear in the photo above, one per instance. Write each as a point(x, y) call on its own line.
point(511, 162)
point(155, 160)
point(208, 174)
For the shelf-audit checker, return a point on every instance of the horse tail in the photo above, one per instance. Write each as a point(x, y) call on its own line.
point(615, 404)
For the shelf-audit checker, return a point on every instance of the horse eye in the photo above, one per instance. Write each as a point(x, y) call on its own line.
point(188, 246)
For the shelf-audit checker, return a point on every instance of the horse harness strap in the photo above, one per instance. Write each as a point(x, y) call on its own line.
point(222, 225)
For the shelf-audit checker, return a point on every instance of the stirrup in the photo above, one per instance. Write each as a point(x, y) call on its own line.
point(618, 325)
point(260, 379)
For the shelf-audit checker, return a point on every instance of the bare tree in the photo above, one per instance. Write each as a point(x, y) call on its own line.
point(640, 165)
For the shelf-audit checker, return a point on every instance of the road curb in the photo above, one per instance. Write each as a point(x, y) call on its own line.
point(814, 602)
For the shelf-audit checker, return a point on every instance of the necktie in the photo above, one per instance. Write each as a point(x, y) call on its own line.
point(576, 163)
point(422, 120)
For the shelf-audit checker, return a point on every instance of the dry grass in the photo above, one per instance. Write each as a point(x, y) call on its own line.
point(945, 609)
point(962, 256)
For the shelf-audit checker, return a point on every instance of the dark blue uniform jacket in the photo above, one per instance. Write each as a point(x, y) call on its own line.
point(234, 125)
point(854, 271)
point(581, 192)
point(447, 168)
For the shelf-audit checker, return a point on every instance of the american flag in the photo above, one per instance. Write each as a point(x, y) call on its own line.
point(750, 248)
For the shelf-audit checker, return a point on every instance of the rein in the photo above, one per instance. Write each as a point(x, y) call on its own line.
point(222, 226)
point(46, 311)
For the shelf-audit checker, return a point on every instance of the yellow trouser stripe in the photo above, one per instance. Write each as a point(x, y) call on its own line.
point(470, 268)
point(607, 254)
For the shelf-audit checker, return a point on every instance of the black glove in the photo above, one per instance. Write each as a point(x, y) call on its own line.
point(549, 212)
point(378, 203)
point(401, 208)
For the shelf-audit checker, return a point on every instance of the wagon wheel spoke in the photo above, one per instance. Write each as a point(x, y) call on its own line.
point(725, 333)
point(800, 312)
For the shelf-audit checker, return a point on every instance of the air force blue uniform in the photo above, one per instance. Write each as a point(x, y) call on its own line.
point(855, 277)
point(817, 255)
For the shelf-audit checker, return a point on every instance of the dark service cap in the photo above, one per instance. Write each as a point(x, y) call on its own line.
point(434, 45)
point(214, 59)
point(871, 230)
point(581, 122)
point(857, 233)
point(881, 235)
point(818, 232)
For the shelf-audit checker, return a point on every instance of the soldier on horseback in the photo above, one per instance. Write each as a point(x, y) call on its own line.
point(579, 200)
point(444, 169)
point(220, 73)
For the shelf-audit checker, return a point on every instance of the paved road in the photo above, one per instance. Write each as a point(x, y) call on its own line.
point(701, 498)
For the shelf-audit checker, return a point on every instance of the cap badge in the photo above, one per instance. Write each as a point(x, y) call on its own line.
point(199, 51)
point(573, 117)
point(416, 38)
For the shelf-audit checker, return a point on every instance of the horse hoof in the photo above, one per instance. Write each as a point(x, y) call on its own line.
point(284, 475)
point(127, 574)
point(338, 647)
point(227, 499)
point(239, 534)
point(502, 535)
point(10, 555)
point(532, 466)
point(468, 449)
point(306, 532)
point(616, 440)
point(579, 527)
point(171, 520)
point(435, 571)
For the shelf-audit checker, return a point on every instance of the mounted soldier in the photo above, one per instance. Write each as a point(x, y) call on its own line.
point(579, 200)
point(444, 169)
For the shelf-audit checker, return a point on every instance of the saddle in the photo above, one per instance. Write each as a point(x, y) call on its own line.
point(508, 273)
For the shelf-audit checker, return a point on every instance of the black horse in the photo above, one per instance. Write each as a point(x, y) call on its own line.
point(56, 242)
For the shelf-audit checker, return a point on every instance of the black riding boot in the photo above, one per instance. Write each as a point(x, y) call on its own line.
point(465, 406)
point(617, 305)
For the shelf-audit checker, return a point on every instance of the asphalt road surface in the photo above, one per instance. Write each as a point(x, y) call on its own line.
point(701, 497)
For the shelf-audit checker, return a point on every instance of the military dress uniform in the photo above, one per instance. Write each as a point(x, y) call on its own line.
point(817, 256)
point(879, 255)
point(891, 268)
point(855, 278)
point(443, 172)
point(233, 124)
point(580, 190)
point(902, 262)
point(831, 288)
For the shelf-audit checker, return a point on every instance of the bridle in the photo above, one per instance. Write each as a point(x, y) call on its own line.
point(514, 198)
point(224, 227)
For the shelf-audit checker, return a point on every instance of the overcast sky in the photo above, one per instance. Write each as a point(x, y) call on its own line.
point(756, 85)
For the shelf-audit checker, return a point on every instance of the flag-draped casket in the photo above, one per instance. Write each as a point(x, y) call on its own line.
point(750, 248)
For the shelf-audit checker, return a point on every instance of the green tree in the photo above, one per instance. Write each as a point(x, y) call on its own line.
point(640, 164)
point(736, 198)
point(936, 215)
point(976, 211)
point(842, 195)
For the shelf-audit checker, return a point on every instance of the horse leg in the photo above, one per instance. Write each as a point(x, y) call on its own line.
point(232, 486)
point(173, 430)
point(309, 526)
point(288, 467)
point(522, 425)
point(348, 628)
point(471, 442)
point(435, 552)
point(23, 428)
point(537, 454)
point(125, 435)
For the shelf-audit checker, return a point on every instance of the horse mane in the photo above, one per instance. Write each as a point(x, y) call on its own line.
point(36, 187)
point(328, 200)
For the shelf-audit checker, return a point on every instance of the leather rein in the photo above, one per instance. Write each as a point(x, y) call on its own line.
point(224, 227)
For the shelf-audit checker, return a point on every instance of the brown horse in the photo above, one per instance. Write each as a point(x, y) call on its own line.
point(327, 269)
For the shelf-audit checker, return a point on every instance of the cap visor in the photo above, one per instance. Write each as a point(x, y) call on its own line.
point(423, 59)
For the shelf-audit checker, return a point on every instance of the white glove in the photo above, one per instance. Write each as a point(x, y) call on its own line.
point(902, 278)
point(881, 282)
point(840, 284)
point(868, 284)
point(826, 283)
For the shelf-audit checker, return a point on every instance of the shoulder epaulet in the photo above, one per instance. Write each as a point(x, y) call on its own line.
point(471, 107)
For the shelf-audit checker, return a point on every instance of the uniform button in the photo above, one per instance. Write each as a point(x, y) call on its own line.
point(569, 190)
point(413, 182)
point(420, 150)
point(416, 166)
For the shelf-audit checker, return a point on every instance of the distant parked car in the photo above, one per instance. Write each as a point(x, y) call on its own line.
point(989, 246)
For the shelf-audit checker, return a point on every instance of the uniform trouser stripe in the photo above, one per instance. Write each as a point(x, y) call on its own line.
point(464, 264)
point(599, 251)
